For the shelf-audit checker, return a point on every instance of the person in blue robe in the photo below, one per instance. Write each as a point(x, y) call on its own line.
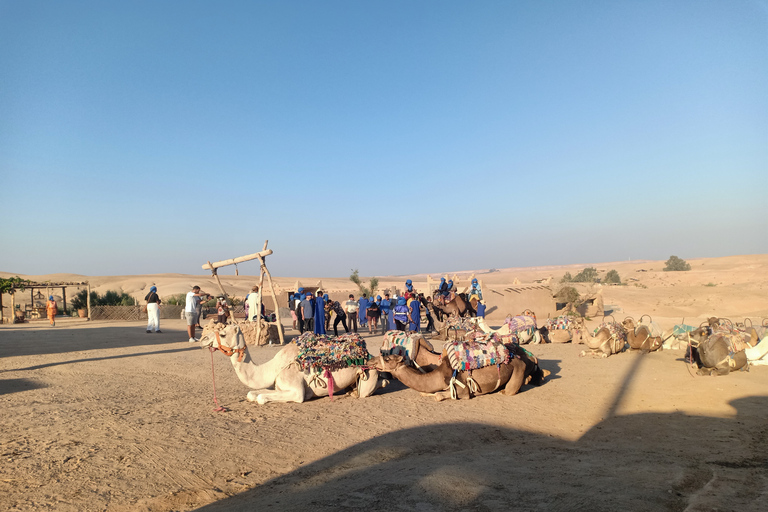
point(443, 287)
point(319, 304)
point(408, 288)
point(386, 317)
point(363, 307)
point(414, 316)
point(475, 291)
point(400, 314)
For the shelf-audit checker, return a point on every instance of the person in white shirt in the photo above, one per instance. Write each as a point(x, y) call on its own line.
point(190, 311)
point(351, 306)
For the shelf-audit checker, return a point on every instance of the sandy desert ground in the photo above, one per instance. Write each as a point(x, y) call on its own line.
point(102, 416)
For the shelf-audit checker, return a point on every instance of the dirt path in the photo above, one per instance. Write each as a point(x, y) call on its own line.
point(102, 416)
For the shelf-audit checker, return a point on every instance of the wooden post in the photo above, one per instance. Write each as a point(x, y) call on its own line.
point(64, 298)
point(274, 297)
point(261, 293)
point(88, 300)
point(13, 306)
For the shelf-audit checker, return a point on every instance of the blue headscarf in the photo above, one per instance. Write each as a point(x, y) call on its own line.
point(153, 289)
point(442, 280)
point(408, 281)
point(401, 301)
point(301, 289)
point(474, 282)
point(378, 297)
point(450, 282)
point(325, 296)
point(50, 297)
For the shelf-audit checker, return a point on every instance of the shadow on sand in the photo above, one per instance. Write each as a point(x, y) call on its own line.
point(650, 461)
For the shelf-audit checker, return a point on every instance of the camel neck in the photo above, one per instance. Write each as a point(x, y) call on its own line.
point(431, 382)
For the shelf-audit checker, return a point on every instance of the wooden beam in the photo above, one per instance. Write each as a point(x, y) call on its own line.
point(224, 263)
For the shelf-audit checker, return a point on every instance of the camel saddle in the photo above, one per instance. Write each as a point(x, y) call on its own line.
point(323, 352)
point(399, 343)
point(485, 350)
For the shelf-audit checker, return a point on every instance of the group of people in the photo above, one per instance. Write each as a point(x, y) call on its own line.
point(313, 311)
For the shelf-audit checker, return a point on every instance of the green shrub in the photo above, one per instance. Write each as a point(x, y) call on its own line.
point(567, 295)
point(588, 275)
point(178, 299)
point(110, 298)
point(369, 291)
point(612, 277)
point(567, 278)
point(675, 264)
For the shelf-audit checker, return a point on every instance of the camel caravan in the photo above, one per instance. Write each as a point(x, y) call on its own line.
point(473, 358)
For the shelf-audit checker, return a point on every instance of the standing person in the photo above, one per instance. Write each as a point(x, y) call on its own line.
point(414, 314)
point(401, 314)
point(292, 308)
point(425, 303)
point(481, 310)
point(386, 306)
point(297, 298)
point(308, 312)
point(253, 300)
point(351, 307)
point(372, 314)
point(199, 308)
point(328, 310)
point(51, 309)
point(319, 305)
point(222, 310)
point(190, 311)
point(363, 307)
point(153, 310)
point(341, 316)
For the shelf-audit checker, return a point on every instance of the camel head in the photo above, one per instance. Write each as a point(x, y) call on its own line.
point(386, 363)
point(700, 335)
point(629, 323)
point(231, 337)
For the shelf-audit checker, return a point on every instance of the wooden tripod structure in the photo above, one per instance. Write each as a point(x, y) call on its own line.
point(261, 256)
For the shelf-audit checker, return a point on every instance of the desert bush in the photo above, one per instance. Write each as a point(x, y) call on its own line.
point(110, 298)
point(568, 295)
point(612, 277)
point(177, 299)
point(676, 264)
point(588, 275)
point(567, 278)
point(368, 290)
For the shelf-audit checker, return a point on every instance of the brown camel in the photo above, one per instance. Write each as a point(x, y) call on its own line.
point(423, 357)
point(509, 377)
point(640, 338)
point(458, 306)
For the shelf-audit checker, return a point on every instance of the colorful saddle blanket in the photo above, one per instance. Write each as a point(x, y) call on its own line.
point(520, 323)
point(454, 322)
point(400, 344)
point(323, 352)
point(559, 323)
point(482, 352)
point(618, 332)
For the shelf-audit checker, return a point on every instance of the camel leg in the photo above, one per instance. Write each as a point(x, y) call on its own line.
point(515, 381)
point(444, 395)
point(289, 387)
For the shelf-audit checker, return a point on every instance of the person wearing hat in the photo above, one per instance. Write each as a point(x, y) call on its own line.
point(408, 288)
point(222, 310)
point(401, 314)
point(386, 307)
point(153, 310)
point(319, 305)
point(253, 300)
point(475, 293)
point(363, 305)
point(51, 309)
point(414, 314)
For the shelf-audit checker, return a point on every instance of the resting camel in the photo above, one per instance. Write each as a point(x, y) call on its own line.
point(288, 381)
point(509, 377)
point(609, 339)
point(640, 337)
point(714, 353)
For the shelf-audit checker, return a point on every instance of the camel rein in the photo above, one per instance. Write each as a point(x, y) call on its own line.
point(228, 351)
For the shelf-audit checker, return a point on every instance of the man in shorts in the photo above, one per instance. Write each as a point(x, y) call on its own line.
point(190, 311)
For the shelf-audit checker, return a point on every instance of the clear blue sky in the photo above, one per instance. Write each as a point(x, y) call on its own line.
point(392, 137)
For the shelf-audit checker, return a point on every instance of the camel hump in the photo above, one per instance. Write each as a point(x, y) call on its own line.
point(474, 354)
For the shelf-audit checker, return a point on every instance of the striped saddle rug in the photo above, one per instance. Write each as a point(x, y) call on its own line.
point(560, 323)
point(484, 350)
point(323, 352)
point(400, 344)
